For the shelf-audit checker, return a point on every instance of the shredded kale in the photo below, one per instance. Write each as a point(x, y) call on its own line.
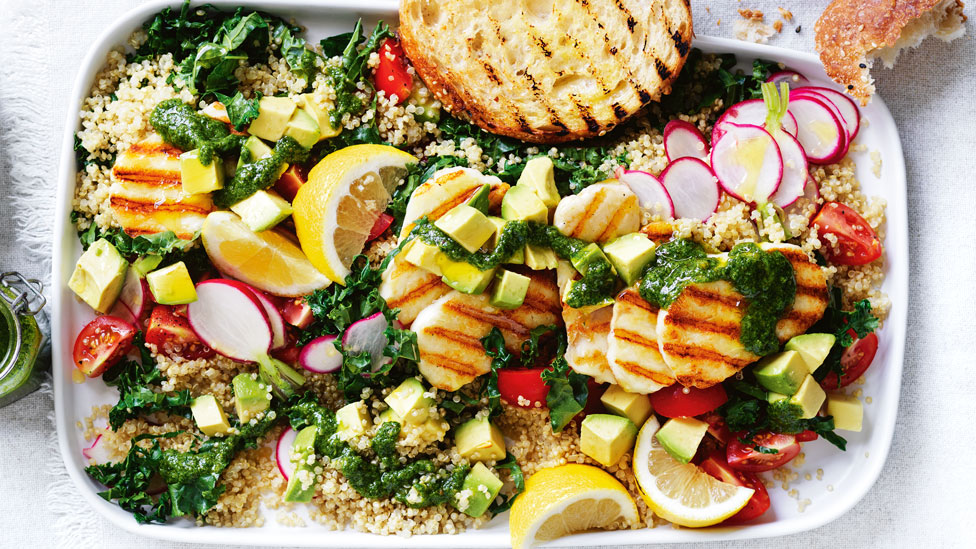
point(300, 59)
point(346, 77)
point(494, 344)
point(138, 382)
point(515, 474)
point(240, 110)
point(568, 389)
point(83, 157)
point(839, 322)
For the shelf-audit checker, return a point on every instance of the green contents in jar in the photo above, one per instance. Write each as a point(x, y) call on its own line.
point(23, 375)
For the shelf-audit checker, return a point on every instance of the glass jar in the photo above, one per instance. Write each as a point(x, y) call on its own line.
point(20, 337)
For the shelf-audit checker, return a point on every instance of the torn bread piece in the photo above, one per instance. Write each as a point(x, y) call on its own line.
point(851, 34)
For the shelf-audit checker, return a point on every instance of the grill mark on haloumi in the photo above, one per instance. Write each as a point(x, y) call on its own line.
point(409, 288)
point(633, 351)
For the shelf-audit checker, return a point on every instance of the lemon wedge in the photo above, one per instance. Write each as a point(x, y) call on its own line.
point(344, 195)
point(681, 492)
point(267, 260)
point(568, 499)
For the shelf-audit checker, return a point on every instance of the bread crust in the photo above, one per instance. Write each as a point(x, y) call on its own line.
point(518, 95)
point(848, 30)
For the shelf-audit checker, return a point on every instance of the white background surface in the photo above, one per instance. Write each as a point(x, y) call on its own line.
point(923, 496)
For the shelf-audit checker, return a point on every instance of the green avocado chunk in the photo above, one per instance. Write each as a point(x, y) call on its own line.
point(303, 128)
point(606, 437)
point(629, 254)
point(262, 210)
point(99, 275)
point(409, 401)
point(463, 276)
point(521, 204)
point(273, 116)
point(681, 436)
point(301, 485)
point(251, 397)
point(510, 290)
point(539, 176)
point(813, 348)
point(479, 439)
point(479, 200)
point(467, 226)
point(781, 372)
point(479, 489)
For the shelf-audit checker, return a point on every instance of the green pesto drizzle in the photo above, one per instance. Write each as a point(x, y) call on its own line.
point(183, 127)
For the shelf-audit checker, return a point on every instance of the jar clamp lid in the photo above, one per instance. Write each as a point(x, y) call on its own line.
point(22, 296)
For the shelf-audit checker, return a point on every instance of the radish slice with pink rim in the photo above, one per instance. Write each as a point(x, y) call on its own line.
point(368, 335)
point(650, 192)
point(837, 114)
point(683, 139)
point(321, 356)
point(751, 112)
point(747, 162)
point(275, 320)
point(283, 453)
point(793, 78)
point(795, 166)
point(229, 319)
point(133, 300)
point(822, 135)
point(693, 188)
point(98, 452)
point(848, 109)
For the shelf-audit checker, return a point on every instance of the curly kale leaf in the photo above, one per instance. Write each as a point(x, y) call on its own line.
point(240, 110)
point(515, 474)
point(346, 77)
point(138, 382)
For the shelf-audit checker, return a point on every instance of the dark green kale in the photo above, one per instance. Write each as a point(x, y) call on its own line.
point(240, 111)
point(841, 323)
point(518, 479)
point(568, 390)
point(300, 59)
point(494, 344)
point(83, 157)
point(346, 77)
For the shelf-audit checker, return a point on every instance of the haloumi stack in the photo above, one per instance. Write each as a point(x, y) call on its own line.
point(445, 189)
point(633, 351)
point(586, 332)
point(410, 288)
point(599, 213)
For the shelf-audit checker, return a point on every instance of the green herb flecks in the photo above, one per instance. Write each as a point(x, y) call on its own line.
point(256, 175)
point(183, 127)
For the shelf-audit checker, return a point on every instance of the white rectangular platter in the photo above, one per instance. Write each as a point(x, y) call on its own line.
point(846, 478)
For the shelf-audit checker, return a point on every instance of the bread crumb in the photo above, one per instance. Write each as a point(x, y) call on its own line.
point(752, 30)
point(754, 15)
point(778, 25)
point(786, 14)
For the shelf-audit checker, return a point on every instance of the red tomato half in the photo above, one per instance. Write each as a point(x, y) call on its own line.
point(169, 331)
point(527, 384)
point(391, 74)
point(679, 401)
point(383, 222)
point(102, 343)
point(854, 361)
point(745, 457)
point(857, 243)
point(717, 466)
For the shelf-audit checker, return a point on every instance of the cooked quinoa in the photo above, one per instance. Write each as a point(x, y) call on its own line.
point(115, 115)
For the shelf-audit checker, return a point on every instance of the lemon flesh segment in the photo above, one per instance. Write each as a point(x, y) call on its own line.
point(681, 492)
point(343, 197)
point(566, 500)
point(267, 260)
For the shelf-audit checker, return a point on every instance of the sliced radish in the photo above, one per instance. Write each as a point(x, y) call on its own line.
point(822, 135)
point(848, 109)
point(693, 188)
point(230, 320)
point(752, 112)
point(134, 298)
point(297, 313)
point(321, 356)
point(810, 192)
point(278, 330)
point(795, 166)
point(649, 190)
point(97, 453)
point(283, 452)
point(747, 162)
point(793, 78)
point(837, 114)
point(683, 139)
point(368, 335)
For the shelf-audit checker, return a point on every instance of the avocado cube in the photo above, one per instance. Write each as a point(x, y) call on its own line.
point(681, 436)
point(258, 150)
point(99, 275)
point(209, 416)
point(606, 438)
point(262, 210)
point(633, 406)
point(423, 255)
point(510, 290)
point(629, 254)
point(303, 128)
point(813, 348)
point(479, 200)
point(539, 176)
point(517, 257)
point(321, 115)
point(389, 415)
point(479, 439)
point(251, 397)
point(410, 401)
point(781, 372)
point(590, 255)
point(479, 489)
point(847, 411)
point(172, 285)
point(353, 420)
point(198, 178)
point(463, 276)
point(809, 398)
point(144, 264)
point(467, 226)
point(540, 258)
point(301, 485)
point(273, 116)
point(521, 204)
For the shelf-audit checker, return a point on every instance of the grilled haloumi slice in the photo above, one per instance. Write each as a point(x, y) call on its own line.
point(598, 213)
point(147, 195)
point(445, 189)
point(633, 351)
point(699, 332)
point(449, 331)
point(410, 288)
point(586, 332)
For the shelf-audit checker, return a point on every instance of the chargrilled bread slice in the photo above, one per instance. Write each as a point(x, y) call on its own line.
point(633, 351)
point(449, 331)
point(852, 33)
point(447, 188)
point(147, 195)
point(698, 334)
point(409, 288)
point(598, 213)
point(546, 71)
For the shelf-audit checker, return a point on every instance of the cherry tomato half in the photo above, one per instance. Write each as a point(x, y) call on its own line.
point(526, 384)
point(854, 361)
point(102, 343)
point(717, 466)
point(391, 74)
point(679, 401)
point(857, 243)
point(806, 436)
point(778, 450)
point(169, 331)
point(383, 222)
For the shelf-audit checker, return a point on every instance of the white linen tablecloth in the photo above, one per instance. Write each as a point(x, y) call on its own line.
point(925, 494)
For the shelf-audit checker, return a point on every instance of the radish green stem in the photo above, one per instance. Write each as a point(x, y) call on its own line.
point(776, 104)
point(282, 378)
